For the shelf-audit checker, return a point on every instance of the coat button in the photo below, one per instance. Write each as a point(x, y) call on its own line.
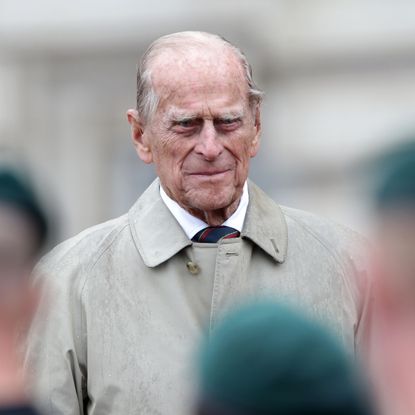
point(192, 267)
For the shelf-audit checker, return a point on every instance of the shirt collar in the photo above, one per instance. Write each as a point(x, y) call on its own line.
point(192, 225)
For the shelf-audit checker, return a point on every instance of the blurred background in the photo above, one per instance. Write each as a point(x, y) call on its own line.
point(339, 78)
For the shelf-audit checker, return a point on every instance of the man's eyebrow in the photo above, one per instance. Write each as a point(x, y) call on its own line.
point(181, 116)
point(228, 118)
point(230, 115)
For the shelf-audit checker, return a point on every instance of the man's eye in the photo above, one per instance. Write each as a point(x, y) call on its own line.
point(229, 123)
point(184, 126)
point(186, 123)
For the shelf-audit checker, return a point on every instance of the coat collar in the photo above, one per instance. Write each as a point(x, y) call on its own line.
point(158, 236)
point(265, 224)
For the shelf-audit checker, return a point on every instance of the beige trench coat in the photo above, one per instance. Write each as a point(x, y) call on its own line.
point(125, 309)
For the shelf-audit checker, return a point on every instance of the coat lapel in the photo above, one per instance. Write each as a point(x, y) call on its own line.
point(156, 233)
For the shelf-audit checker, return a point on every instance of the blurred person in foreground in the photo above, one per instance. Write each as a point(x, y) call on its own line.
point(22, 235)
point(392, 328)
point(129, 298)
point(264, 358)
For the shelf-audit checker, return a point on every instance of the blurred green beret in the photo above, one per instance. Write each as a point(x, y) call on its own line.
point(16, 192)
point(266, 359)
point(396, 176)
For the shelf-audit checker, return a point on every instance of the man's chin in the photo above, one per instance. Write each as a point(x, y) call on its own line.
point(212, 200)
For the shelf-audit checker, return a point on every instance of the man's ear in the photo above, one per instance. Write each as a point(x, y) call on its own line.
point(140, 140)
point(257, 126)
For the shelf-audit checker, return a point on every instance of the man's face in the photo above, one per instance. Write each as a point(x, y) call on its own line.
point(396, 243)
point(18, 245)
point(204, 131)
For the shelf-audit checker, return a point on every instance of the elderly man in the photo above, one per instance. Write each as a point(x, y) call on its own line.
point(129, 298)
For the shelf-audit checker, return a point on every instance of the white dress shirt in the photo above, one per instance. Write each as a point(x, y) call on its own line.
point(192, 225)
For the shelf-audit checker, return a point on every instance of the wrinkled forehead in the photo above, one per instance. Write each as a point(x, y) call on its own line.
point(181, 78)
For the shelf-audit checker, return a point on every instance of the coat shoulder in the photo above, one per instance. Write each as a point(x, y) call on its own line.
point(337, 239)
point(83, 250)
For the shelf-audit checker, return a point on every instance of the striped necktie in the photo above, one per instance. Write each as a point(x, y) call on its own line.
point(214, 234)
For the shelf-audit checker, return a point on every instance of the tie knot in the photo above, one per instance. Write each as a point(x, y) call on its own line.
point(214, 234)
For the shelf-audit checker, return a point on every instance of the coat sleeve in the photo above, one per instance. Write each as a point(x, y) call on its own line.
point(364, 284)
point(357, 255)
point(56, 345)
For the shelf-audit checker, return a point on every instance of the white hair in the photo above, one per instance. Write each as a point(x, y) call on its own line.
point(147, 99)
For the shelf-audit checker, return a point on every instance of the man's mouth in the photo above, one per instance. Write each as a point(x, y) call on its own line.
point(209, 172)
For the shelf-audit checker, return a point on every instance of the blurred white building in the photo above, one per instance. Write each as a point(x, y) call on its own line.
point(338, 75)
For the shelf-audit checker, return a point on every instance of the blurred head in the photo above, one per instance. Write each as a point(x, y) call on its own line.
point(22, 234)
point(22, 227)
point(265, 359)
point(197, 118)
point(396, 220)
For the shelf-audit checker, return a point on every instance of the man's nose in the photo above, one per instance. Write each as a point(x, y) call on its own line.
point(209, 144)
